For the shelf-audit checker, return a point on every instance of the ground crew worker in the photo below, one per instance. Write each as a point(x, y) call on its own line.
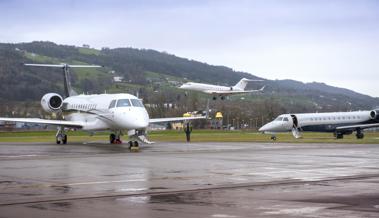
point(188, 130)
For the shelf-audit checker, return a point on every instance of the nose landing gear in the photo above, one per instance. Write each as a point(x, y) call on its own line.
point(116, 139)
point(133, 146)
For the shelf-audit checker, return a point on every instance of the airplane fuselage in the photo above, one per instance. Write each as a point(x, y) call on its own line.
point(336, 122)
point(207, 88)
point(96, 112)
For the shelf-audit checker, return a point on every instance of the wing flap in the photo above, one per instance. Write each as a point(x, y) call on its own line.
point(44, 121)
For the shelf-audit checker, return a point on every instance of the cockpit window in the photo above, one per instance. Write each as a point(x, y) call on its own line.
point(123, 103)
point(279, 119)
point(136, 103)
point(112, 104)
point(285, 119)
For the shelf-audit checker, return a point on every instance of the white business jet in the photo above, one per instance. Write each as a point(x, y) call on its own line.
point(338, 123)
point(221, 91)
point(117, 113)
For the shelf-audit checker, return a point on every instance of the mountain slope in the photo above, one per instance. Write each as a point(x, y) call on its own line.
point(149, 71)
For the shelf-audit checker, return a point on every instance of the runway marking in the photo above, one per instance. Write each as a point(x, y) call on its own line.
point(105, 182)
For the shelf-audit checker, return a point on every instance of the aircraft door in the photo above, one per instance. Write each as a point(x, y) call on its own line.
point(295, 123)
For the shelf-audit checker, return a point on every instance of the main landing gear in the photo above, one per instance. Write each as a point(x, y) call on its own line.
point(116, 139)
point(338, 135)
point(61, 136)
point(359, 134)
point(221, 97)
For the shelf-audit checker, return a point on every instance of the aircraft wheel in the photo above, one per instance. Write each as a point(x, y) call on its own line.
point(134, 147)
point(273, 138)
point(360, 135)
point(112, 138)
point(214, 98)
point(222, 97)
point(64, 139)
point(339, 135)
point(58, 142)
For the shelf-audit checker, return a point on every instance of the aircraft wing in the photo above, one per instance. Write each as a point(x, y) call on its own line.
point(44, 121)
point(174, 119)
point(358, 126)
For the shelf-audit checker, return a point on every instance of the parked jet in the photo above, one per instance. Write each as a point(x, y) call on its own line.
point(117, 113)
point(339, 123)
point(221, 91)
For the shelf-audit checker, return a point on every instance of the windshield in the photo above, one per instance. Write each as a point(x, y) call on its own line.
point(136, 102)
point(112, 104)
point(279, 119)
point(123, 103)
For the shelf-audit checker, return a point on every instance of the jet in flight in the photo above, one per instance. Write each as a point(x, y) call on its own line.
point(338, 123)
point(221, 91)
point(118, 113)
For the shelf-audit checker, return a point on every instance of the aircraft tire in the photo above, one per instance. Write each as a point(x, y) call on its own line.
point(64, 139)
point(360, 135)
point(339, 136)
point(112, 138)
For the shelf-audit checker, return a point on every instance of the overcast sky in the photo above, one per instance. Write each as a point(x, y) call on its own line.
point(331, 41)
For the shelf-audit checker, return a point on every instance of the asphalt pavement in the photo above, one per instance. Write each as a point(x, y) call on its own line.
point(222, 180)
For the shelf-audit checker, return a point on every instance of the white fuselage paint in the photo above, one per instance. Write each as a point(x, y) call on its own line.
point(310, 121)
point(95, 113)
point(207, 88)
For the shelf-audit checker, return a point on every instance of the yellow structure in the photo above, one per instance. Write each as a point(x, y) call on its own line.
point(219, 115)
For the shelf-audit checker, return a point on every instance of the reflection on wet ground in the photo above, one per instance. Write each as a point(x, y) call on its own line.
point(190, 180)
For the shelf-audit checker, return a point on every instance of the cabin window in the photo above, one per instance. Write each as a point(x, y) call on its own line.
point(123, 103)
point(112, 104)
point(136, 102)
point(279, 119)
point(285, 119)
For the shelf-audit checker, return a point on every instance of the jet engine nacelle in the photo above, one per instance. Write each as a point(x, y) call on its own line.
point(51, 102)
point(374, 114)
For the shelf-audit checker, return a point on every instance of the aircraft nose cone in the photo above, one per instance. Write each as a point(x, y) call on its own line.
point(263, 128)
point(140, 123)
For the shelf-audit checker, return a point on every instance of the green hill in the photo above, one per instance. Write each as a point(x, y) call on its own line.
point(155, 75)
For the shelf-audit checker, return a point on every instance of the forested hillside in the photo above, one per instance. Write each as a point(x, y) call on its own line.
point(154, 76)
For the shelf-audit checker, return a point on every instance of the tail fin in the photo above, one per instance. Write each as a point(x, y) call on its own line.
point(69, 91)
point(241, 85)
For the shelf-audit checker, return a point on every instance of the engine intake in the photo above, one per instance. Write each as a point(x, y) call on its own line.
point(374, 114)
point(51, 102)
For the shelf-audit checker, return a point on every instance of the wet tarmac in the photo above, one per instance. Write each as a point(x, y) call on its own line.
point(189, 180)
